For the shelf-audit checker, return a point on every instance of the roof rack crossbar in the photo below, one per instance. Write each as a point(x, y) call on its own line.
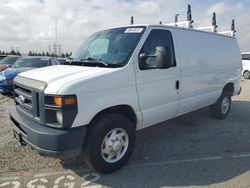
point(231, 32)
point(213, 27)
point(185, 24)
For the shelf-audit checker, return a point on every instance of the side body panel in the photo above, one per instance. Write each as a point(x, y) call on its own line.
point(208, 62)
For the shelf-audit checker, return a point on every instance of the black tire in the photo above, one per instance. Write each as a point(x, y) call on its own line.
point(216, 110)
point(97, 131)
point(246, 75)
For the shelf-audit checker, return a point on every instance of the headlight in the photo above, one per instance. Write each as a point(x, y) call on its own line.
point(59, 117)
point(60, 110)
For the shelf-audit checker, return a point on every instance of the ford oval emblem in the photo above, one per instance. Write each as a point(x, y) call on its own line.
point(22, 99)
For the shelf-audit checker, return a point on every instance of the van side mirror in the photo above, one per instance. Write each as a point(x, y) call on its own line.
point(161, 59)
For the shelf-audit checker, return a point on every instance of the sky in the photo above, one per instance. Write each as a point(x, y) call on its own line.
point(30, 24)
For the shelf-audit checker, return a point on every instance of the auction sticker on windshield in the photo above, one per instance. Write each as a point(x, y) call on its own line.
point(134, 30)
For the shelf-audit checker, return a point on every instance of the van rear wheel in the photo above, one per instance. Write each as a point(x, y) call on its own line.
point(246, 75)
point(109, 143)
point(221, 108)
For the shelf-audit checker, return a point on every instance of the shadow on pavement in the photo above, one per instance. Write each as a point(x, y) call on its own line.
point(191, 136)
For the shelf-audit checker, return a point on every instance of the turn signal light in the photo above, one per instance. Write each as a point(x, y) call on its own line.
point(58, 101)
point(69, 101)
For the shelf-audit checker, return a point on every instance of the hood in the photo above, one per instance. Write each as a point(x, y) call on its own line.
point(59, 75)
point(12, 72)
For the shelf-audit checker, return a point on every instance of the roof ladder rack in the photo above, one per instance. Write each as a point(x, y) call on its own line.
point(213, 27)
point(188, 24)
point(231, 32)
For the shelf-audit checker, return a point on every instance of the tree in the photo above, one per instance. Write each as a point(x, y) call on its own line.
point(47, 54)
point(43, 54)
point(12, 52)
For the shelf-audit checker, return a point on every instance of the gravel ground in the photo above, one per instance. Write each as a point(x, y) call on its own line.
point(13, 157)
point(190, 135)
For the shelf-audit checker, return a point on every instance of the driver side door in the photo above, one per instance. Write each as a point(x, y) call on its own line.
point(158, 88)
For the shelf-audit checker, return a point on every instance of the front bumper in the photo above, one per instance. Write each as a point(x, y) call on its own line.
point(62, 143)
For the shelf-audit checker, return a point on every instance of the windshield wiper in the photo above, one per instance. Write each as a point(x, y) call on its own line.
point(92, 62)
point(99, 61)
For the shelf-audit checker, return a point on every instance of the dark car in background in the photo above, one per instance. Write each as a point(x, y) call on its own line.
point(23, 64)
point(61, 60)
point(2, 56)
point(8, 61)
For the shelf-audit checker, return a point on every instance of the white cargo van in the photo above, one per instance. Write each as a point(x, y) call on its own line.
point(246, 65)
point(121, 80)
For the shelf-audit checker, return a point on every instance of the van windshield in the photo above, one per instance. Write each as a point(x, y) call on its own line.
point(108, 48)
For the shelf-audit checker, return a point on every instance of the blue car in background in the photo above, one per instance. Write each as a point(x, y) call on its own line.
point(8, 61)
point(23, 64)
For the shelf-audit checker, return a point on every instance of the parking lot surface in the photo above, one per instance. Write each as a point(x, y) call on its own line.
point(190, 151)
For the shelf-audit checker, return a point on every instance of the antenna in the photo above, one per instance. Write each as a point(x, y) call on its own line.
point(55, 45)
point(132, 20)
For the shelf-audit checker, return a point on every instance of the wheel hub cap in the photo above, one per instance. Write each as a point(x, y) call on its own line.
point(117, 146)
point(225, 105)
point(114, 145)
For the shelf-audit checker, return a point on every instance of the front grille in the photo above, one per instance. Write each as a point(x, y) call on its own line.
point(27, 101)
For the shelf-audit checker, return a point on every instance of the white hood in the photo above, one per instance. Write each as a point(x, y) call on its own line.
point(59, 75)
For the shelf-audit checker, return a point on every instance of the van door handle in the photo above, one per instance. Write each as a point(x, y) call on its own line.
point(177, 84)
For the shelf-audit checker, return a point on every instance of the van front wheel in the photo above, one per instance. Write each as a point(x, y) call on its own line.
point(221, 108)
point(109, 143)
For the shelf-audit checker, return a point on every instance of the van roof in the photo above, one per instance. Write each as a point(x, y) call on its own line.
point(172, 27)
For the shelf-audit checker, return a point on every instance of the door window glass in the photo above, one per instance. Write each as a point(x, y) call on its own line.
point(159, 38)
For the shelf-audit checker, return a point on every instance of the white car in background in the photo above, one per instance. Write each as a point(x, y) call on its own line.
point(246, 65)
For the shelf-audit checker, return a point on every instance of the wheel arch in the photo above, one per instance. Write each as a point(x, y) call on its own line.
point(229, 87)
point(123, 109)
